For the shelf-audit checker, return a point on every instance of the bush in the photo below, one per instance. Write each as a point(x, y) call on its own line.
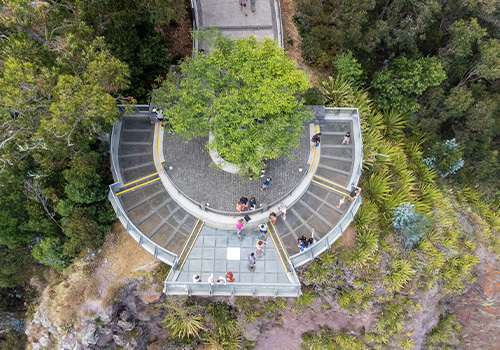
point(313, 96)
point(411, 224)
point(49, 251)
point(445, 157)
point(348, 67)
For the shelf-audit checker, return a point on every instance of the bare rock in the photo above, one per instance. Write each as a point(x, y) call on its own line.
point(104, 339)
point(89, 334)
point(252, 330)
point(125, 315)
point(118, 339)
point(126, 326)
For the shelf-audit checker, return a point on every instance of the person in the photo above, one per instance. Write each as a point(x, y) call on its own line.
point(239, 226)
point(262, 172)
point(311, 240)
point(243, 4)
point(265, 186)
point(260, 245)
point(251, 261)
point(263, 230)
point(196, 278)
point(239, 206)
point(244, 203)
point(222, 280)
point(211, 279)
point(252, 204)
point(282, 208)
point(230, 276)
point(272, 217)
point(354, 193)
point(159, 115)
point(347, 138)
point(316, 139)
point(342, 201)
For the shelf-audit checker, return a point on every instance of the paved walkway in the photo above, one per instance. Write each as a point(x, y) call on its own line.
point(226, 16)
point(193, 172)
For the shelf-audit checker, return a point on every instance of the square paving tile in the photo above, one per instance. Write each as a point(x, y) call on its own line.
point(233, 253)
point(220, 266)
point(208, 253)
point(271, 278)
point(221, 241)
point(195, 265)
point(207, 265)
point(259, 278)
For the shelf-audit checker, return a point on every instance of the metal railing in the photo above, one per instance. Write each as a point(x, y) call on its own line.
point(237, 289)
point(280, 24)
point(324, 243)
point(144, 241)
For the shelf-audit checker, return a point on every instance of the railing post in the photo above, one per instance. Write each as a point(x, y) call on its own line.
point(141, 240)
point(232, 290)
point(156, 251)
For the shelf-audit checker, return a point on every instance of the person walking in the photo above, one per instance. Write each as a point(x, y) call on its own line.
point(354, 193)
point(243, 4)
point(316, 140)
point(347, 138)
point(265, 186)
point(239, 226)
point(282, 208)
point(272, 217)
point(263, 230)
point(260, 244)
point(251, 261)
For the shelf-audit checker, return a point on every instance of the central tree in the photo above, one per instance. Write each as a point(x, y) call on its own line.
point(246, 93)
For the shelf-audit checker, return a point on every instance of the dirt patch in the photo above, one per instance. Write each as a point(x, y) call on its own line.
point(348, 238)
point(478, 310)
point(293, 41)
point(179, 37)
point(286, 334)
point(92, 282)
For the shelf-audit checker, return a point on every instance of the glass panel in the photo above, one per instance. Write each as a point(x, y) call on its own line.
point(265, 290)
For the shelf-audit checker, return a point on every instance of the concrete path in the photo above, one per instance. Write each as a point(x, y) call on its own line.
point(227, 16)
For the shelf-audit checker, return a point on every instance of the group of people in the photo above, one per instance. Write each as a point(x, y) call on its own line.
point(304, 242)
point(221, 280)
point(244, 204)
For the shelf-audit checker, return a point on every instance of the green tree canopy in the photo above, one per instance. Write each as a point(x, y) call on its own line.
point(397, 86)
point(245, 92)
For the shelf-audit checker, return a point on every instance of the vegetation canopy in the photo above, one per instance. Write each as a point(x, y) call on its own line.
point(245, 92)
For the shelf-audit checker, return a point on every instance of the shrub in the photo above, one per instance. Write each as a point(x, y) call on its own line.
point(411, 224)
point(348, 67)
point(445, 157)
point(313, 96)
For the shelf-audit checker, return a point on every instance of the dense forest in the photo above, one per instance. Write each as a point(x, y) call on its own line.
point(425, 76)
point(64, 67)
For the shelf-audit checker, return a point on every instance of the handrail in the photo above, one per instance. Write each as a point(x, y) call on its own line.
point(280, 23)
point(324, 243)
point(150, 246)
point(244, 289)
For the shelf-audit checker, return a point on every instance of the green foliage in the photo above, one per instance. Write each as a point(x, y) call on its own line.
point(325, 339)
point(363, 254)
point(49, 251)
point(313, 96)
point(305, 298)
point(444, 333)
point(397, 85)
point(184, 319)
point(445, 157)
point(411, 224)
point(347, 66)
point(253, 80)
point(463, 35)
point(400, 273)
point(16, 266)
point(85, 182)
